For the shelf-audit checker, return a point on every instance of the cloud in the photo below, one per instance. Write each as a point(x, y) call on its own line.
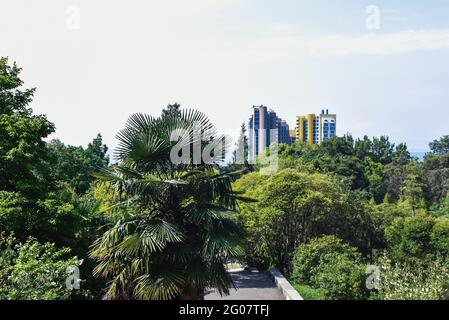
point(393, 15)
point(422, 92)
point(278, 44)
point(194, 7)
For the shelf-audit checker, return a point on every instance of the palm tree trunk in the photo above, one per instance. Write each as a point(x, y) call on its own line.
point(192, 293)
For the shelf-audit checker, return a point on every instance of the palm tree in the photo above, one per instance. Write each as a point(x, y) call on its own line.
point(174, 243)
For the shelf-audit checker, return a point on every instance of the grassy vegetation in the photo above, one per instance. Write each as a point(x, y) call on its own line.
point(309, 293)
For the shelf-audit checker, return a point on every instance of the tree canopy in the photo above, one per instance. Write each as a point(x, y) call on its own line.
point(163, 224)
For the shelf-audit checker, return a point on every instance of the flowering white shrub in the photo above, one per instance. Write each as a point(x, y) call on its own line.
point(413, 282)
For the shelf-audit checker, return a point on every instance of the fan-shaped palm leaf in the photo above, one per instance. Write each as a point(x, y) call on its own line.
point(175, 243)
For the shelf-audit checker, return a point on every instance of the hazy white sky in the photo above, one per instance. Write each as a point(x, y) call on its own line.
point(223, 56)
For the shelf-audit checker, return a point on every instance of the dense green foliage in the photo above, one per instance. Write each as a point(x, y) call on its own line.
point(413, 281)
point(294, 207)
point(74, 164)
point(34, 271)
point(22, 148)
point(149, 228)
point(370, 194)
point(42, 188)
point(418, 239)
point(174, 242)
point(332, 265)
point(308, 292)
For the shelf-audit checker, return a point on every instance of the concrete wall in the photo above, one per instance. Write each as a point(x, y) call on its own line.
point(284, 286)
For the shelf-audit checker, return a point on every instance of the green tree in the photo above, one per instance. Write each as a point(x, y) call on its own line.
point(375, 174)
point(440, 238)
point(418, 240)
point(440, 146)
point(381, 217)
point(413, 189)
point(171, 110)
point(96, 153)
point(383, 150)
point(22, 148)
point(52, 219)
point(409, 239)
point(294, 207)
point(436, 172)
point(442, 209)
point(240, 155)
point(339, 146)
point(179, 233)
point(379, 149)
point(401, 154)
point(363, 147)
point(395, 172)
point(73, 165)
point(335, 156)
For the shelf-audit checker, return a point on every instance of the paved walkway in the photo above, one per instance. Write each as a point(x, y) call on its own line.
point(249, 286)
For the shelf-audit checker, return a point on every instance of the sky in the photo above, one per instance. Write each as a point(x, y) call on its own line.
point(382, 66)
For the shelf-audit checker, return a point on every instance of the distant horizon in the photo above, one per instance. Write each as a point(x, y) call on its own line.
point(382, 67)
point(237, 132)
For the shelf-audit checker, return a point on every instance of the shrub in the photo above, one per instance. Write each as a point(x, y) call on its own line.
point(33, 271)
point(409, 239)
point(341, 276)
point(330, 264)
point(440, 237)
point(413, 281)
point(309, 293)
point(418, 239)
point(307, 257)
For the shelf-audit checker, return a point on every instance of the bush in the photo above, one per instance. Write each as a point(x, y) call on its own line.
point(341, 277)
point(381, 217)
point(332, 265)
point(440, 237)
point(307, 257)
point(418, 239)
point(12, 211)
point(309, 293)
point(413, 281)
point(33, 271)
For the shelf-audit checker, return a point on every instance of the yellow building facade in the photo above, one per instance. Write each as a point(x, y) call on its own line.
point(315, 129)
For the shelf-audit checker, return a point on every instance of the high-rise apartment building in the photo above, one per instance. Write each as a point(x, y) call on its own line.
point(293, 136)
point(315, 129)
point(283, 131)
point(265, 128)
